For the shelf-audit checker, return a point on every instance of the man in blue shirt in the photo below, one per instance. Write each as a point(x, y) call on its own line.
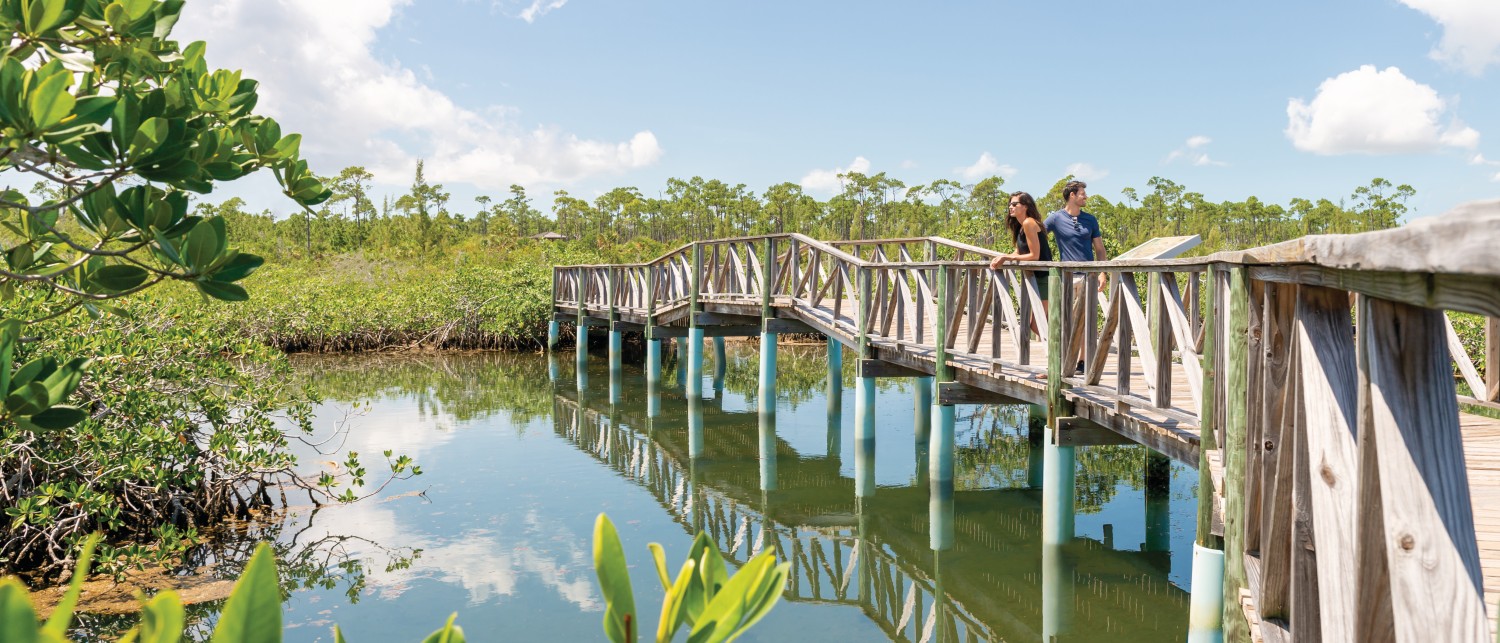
point(1078, 236)
point(1077, 232)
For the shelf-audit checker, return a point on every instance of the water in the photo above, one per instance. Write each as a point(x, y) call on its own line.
point(518, 462)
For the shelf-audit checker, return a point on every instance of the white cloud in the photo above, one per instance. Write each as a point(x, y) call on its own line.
point(1375, 112)
point(1480, 160)
point(908, 164)
point(827, 181)
point(539, 8)
point(1471, 39)
point(1495, 178)
point(987, 166)
point(1192, 151)
point(1086, 172)
point(319, 77)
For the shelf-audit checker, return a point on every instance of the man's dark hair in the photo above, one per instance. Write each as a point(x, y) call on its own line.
point(1072, 187)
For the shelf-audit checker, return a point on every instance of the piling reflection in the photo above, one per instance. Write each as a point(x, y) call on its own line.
point(988, 566)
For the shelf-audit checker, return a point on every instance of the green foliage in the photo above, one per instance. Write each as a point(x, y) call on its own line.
point(704, 597)
point(190, 424)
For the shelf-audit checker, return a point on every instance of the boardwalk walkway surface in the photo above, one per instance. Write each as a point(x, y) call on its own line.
point(1355, 492)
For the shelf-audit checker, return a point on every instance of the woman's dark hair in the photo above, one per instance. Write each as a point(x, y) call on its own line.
point(1013, 223)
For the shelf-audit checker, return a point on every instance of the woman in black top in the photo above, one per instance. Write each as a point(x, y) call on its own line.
point(1030, 236)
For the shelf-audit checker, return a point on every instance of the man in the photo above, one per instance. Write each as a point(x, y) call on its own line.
point(1077, 232)
point(1078, 236)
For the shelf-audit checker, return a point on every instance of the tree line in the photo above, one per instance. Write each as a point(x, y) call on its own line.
point(424, 219)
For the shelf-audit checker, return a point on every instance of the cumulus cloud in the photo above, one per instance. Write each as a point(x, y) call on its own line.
point(1478, 159)
point(1373, 111)
point(827, 181)
point(539, 8)
point(1086, 172)
point(319, 77)
point(1192, 151)
point(987, 166)
point(1470, 39)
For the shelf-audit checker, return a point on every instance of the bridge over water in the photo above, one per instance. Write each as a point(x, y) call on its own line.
point(1348, 485)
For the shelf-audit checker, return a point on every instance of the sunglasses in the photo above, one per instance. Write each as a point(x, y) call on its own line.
point(1015, 203)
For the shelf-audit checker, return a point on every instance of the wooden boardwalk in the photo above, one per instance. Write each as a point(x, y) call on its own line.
point(1355, 494)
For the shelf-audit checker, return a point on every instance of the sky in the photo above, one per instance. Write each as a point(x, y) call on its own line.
point(1272, 99)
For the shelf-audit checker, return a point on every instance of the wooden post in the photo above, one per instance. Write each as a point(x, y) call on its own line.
point(1236, 628)
point(863, 314)
point(767, 277)
point(1206, 441)
point(1055, 317)
point(939, 332)
point(1436, 584)
point(1491, 359)
point(1123, 337)
point(696, 285)
point(1161, 340)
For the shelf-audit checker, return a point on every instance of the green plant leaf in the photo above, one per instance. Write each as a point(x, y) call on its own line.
point(204, 244)
point(222, 291)
point(50, 101)
point(28, 398)
point(449, 633)
point(59, 417)
point(118, 278)
point(253, 613)
point(614, 582)
point(659, 556)
point(672, 615)
point(17, 618)
point(725, 617)
point(162, 619)
point(238, 267)
point(338, 635)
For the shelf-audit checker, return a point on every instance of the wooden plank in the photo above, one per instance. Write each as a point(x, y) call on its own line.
point(787, 326)
point(1435, 575)
point(1139, 326)
point(1470, 294)
point(881, 368)
point(1054, 348)
point(1373, 589)
point(1208, 442)
point(1491, 360)
point(1278, 533)
point(1073, 431)
point(1182, 330)
point(1161, 341)
point(1123, 350)
point(1329, 390)
point(1461, 358)
point(949, 393)
point(1106, 339)
point(1012, 322)
point(1305, 620)
point(1254, 409)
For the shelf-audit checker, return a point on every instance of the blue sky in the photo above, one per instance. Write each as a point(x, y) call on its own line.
point(1272, 99)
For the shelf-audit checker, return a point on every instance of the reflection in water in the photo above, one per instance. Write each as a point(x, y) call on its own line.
point(521, 456)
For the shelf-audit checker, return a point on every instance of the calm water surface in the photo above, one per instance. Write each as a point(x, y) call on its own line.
point(518, 461)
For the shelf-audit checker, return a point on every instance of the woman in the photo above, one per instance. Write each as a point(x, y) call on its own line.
point(1030, 236)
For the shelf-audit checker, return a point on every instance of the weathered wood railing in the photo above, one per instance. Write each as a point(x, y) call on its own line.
point(1317, 379)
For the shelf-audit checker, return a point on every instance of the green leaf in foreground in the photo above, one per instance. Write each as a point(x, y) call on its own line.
point(614, 581)
point(253, 613)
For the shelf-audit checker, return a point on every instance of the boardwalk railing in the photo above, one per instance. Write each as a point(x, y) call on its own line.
point(1312, 382)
